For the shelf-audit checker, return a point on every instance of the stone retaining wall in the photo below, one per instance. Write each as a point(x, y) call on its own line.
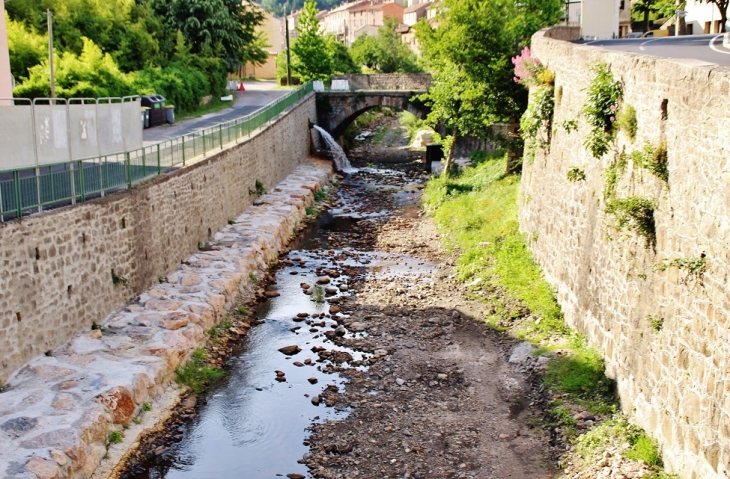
point(388, 81)
point(58, 411)
point(664, 334)
point(64, 269)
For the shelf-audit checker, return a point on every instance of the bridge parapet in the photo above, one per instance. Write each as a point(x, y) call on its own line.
point(388, 81)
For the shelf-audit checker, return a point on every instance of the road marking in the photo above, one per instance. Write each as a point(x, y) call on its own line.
point(641, 47)
point(713, 47)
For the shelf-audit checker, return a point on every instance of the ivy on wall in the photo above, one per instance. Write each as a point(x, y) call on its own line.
point(536, 122)
point(604, 96)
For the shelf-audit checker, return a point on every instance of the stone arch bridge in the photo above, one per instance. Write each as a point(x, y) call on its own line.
point(336, 110)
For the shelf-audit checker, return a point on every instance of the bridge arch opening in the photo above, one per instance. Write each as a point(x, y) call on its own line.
point(337, 111)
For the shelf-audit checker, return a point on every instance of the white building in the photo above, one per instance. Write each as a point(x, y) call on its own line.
point(6, 78)
point(605, 19)
point(702, 18)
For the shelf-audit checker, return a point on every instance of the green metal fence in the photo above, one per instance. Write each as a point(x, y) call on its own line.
point(31, 190)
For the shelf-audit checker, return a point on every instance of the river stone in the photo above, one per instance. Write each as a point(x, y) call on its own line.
point(295, 476)
point(290, 350)
point(120, 403)
point(334, 309)
point(323, 280)
point(521, 353)
point(358, 326)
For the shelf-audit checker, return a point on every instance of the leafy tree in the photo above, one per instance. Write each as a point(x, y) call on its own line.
point(27, 48)
point(216, 24)
point(470, 53)
point(365, 51)
point(313, 61)
point(342, 61)
point(385, 52)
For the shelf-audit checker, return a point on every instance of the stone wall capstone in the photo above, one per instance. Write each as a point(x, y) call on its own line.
point(663, 331)
point(388, 81)
point(65, 269)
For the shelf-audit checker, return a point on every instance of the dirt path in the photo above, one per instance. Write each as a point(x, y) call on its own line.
point(441, 400)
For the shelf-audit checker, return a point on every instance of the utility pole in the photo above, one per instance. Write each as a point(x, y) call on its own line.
point(50, 52)
point(288, 52)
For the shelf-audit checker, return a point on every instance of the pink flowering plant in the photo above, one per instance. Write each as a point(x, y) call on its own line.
point(530, 71)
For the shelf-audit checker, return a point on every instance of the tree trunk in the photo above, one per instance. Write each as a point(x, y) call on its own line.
point(450, 158)
point(681, 25)
point(723, 19)
point(646, 20)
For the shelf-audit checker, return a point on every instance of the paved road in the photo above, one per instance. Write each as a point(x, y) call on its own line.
point(698, 47)
point(257, 95)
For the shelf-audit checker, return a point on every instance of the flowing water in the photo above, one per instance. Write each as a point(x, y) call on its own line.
point(252, 426)
point(341, 161)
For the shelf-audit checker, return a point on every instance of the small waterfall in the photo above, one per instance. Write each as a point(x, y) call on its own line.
point(341, 161)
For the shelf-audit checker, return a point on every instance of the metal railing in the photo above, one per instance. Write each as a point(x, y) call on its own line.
point(30, 190)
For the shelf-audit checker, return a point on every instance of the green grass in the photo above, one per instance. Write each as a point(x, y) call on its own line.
point(242, 310)
point(146, 406)
point(218, 329)
point(320, 195)
point(478, 213)
point(116, 437)
point(196, 374)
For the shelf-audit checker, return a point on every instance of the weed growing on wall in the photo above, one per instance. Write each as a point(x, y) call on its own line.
point(570, 126)
point(536, 122)
point(694, 268)
point(656, 322)
point(576, 174)
point(626, 121)
point(197, 375)
point(115, 437)
point(653, 159)
point(635, 214)
point(602, 105)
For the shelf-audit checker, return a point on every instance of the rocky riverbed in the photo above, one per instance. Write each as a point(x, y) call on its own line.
point(384, 356)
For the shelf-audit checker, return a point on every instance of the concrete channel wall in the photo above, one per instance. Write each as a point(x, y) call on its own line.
point(661, 326)
point(67, 268)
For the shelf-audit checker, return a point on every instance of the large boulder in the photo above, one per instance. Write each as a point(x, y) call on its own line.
point(423, 138)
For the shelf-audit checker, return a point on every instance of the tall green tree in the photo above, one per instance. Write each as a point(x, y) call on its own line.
point(385, 52)
point(228, 25)
point(470, 54)
point(313, 60)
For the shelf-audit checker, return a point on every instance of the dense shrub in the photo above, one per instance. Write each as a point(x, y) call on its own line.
point(95, 75)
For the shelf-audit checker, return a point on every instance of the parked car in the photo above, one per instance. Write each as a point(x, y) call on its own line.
point(656, 33)
point(633, 35)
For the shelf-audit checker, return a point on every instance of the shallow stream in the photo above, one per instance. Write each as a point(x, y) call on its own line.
point(253, 425)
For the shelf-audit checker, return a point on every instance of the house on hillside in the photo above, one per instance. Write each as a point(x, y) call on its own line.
point(412, 15)
point(291, 24)
point(273, 30)
point(369, 17)
point(604, 19)
point(350, 20)
point(337, 21)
